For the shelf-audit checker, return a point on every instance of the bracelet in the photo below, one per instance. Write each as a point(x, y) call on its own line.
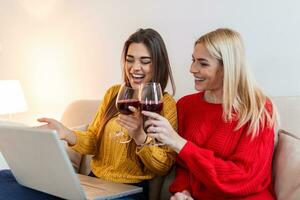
point(145, 142)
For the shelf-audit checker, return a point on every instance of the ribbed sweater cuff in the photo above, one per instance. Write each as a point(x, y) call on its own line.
point(80, 137)
point(189, 149)
point(186, 150)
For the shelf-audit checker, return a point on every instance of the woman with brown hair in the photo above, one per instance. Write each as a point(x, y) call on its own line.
point(145, 59)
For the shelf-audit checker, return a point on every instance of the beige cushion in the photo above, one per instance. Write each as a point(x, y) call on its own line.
point(75, 157)
point(77, 113)
point(80, 112)
point(289, 112)
point(85, 165)
point(287, 167)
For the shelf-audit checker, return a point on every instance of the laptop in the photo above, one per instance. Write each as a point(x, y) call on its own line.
point(38, 160)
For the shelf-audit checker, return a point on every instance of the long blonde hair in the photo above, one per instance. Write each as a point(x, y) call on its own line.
point(242, 98)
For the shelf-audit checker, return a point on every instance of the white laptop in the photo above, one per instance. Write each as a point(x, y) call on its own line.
point(38, 160)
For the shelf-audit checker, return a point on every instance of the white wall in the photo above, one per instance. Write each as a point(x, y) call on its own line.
point(62, 50)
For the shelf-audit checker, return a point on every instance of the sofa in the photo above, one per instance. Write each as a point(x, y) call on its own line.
point(286, 164)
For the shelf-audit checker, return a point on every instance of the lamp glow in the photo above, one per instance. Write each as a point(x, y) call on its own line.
point(12, 98)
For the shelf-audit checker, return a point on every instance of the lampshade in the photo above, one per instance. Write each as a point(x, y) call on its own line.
point(11, 97)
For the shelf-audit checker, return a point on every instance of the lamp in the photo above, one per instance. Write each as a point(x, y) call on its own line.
point(11, 97)
point(11, 101)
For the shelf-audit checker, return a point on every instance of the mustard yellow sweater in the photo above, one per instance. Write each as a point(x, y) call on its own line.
point(114, 164)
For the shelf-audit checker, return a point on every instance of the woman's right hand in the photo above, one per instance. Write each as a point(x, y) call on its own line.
point(64, 133)
point(134, 124)
point(161, 129)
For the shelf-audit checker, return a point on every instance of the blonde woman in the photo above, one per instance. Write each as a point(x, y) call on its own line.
point(225, 136)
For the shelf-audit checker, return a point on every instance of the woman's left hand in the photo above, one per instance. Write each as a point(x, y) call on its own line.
point(184, 195)
point(161, 129)
point(134, 124)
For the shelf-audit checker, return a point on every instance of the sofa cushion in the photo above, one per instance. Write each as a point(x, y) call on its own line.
point(287, 166)
point(165, 194)
point(80, 112)
point(289, 113)
point(73, 155)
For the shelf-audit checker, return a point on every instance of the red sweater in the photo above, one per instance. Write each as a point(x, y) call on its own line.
point(219, 162)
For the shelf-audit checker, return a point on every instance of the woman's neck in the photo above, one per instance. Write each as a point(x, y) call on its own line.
point(215, 97)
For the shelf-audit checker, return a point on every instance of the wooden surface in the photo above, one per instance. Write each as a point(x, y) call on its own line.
point(96, 188)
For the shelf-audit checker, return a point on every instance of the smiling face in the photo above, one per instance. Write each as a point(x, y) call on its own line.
point(138, 65)
point(207, 70)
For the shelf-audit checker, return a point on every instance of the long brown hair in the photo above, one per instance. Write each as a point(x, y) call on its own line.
point(160, 63)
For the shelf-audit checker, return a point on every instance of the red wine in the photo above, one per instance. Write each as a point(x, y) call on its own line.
point(122, 105)
point(152, 106)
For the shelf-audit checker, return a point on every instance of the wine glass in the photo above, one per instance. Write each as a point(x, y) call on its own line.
point(127, 96)
point(151, 100)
